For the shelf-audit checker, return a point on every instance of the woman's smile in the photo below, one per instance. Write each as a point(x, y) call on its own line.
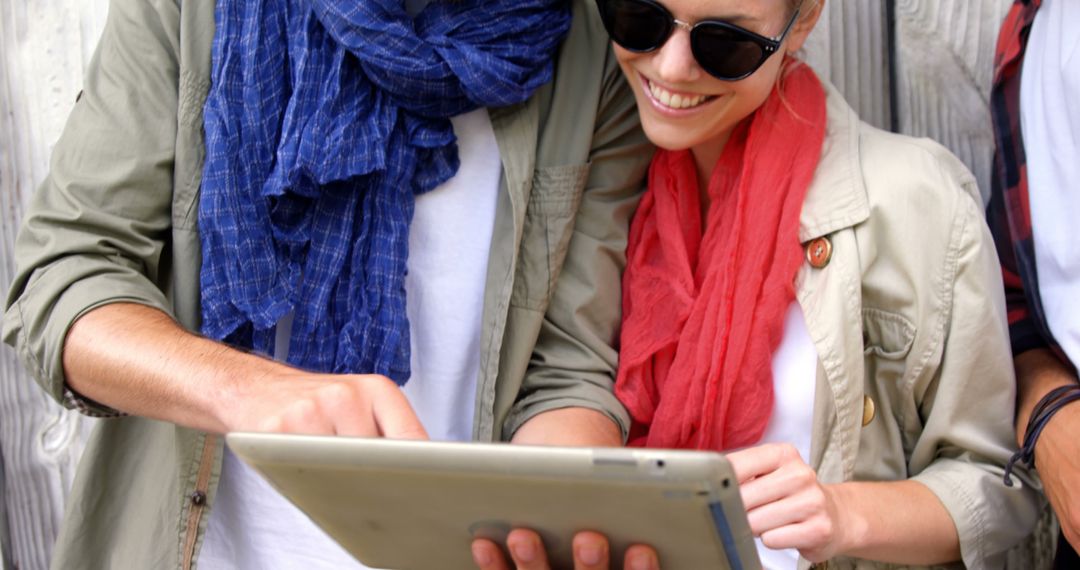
point(672, 102)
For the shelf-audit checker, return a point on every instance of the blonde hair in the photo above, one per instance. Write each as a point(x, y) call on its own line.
point(794, 61)
point(806, 5)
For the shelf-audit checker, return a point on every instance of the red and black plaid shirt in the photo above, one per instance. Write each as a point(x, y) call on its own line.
point(1008, 213)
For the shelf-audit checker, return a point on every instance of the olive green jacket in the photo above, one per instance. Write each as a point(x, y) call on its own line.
point(116, 220)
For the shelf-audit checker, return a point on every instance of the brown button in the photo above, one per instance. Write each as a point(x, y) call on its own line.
point(819, 252)
point(868, 410)
point(198, 498)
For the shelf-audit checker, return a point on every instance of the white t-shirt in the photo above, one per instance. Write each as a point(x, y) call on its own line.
point(794, 367)
point(1050, 121)
point(251, 526)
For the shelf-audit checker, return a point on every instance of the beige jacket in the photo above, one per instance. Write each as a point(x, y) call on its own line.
point(915, 377)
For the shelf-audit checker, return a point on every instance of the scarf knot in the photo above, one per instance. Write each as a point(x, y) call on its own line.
point(324, 120)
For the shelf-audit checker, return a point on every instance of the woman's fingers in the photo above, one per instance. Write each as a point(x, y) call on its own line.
point(812, 538)
point(785, 504)
point(761, 460)
point(789, 478)
point(800, 505)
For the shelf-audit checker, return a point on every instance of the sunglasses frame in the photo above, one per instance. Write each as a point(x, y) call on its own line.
point(769, 46)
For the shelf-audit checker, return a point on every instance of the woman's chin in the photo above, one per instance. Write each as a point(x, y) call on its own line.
point(670, 139)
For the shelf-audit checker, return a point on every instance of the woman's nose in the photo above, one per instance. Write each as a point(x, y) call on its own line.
point(674, 61)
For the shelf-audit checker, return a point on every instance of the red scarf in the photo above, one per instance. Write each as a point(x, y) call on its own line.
point(703, 312)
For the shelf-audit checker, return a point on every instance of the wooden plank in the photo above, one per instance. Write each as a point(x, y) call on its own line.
point(849, 48)
point(5, 536)
point(944, 64)
point(44, 46)
point(945, 53)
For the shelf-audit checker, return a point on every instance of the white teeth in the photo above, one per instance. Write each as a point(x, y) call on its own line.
point(674, 100)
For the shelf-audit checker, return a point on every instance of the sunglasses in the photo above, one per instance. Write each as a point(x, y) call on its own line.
point(722, 49)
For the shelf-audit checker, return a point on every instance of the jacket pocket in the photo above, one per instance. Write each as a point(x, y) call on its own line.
point(886, 334)
point(549, 221)
point(887, 340)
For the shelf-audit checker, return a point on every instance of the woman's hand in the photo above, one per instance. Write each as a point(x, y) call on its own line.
point(591, 552)
point(786, 505)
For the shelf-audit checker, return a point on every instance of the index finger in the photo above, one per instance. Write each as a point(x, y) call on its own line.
point(396, 418)
point(758, 460)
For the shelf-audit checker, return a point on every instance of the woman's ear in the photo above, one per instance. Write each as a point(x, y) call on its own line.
point(808, 17)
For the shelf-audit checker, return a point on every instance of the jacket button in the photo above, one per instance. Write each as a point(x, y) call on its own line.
point(198, 498)
point(819, 252)
point(868, 410)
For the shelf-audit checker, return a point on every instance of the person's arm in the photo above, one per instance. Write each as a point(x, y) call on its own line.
point(574, 357)
point(964, 394)
point(901, 522)
point(1057, 451)
point(87, 310)
point(570, 426)
point(136, 359)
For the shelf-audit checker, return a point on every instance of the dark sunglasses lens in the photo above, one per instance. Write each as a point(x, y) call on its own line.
point(726, 53)
point(636, 25)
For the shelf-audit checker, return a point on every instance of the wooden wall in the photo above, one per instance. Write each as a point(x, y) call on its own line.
point(944, 61)
point(943, 65)
point(44, 46)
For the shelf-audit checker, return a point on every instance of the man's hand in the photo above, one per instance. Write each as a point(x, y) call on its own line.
point(591, 552)
point(366, 405)
point(574, 427)
point(1057, 452)
point(1057, 459)
point(136, 359)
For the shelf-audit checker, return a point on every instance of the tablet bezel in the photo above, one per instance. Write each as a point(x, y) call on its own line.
point(449, 487)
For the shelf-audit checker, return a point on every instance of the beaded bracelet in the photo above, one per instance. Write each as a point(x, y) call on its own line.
point(1046, 408)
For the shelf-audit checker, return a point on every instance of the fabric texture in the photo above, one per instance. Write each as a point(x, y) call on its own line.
point(704, 308)
point(252, 526)
point(794, 367)
point(1050, 121)
point(323, 122)
point(1009, 212)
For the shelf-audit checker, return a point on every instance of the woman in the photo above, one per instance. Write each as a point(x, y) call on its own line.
point(819, 294)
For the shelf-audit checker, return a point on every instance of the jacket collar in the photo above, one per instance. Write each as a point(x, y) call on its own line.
point(836, 198)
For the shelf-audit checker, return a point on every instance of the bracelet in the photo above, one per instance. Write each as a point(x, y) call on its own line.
point(1046, 408)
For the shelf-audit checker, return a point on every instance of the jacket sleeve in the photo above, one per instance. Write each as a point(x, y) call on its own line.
point(96, 230)
point(574, 360)
point(966, 404)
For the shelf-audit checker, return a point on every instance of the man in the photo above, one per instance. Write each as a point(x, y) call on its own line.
point(1033, 212)
point(258, 219)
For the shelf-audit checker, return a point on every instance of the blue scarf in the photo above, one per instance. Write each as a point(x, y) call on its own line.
point(324, 121)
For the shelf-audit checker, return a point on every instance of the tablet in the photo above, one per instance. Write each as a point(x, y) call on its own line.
point(409, 505)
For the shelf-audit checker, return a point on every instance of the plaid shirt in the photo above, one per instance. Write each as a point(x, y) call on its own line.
point(1008, 213)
